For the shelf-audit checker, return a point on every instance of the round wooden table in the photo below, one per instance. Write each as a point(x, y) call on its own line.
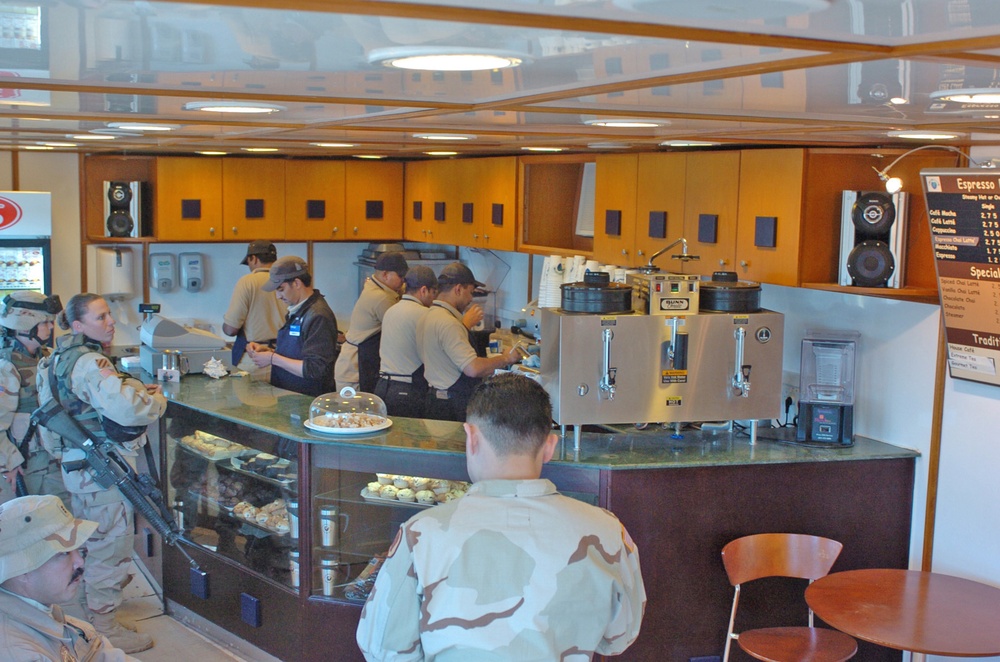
point(909, 610)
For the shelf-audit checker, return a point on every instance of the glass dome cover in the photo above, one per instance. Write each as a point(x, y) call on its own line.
point(348, 411)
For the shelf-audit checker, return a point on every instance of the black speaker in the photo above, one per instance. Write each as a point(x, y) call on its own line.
point(872, 239)
point(122, 209)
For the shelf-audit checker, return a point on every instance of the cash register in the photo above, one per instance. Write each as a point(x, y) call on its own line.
point(157, 334)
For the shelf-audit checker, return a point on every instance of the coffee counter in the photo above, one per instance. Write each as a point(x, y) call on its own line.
point(681, 500)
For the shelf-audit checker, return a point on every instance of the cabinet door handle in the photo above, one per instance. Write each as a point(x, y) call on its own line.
point(235, 230)
point(624, 252)
point(335, 231)
point(211, 231)
point(486, 237)
point(355, 230)
point(744, 264)
point(723, 263)
point(639, 252)
point(475, 236)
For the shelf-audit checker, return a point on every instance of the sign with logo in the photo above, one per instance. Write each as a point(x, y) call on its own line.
point(25, 214)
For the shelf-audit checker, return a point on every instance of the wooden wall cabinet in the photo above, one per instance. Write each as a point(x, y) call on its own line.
point(314, 200)
point(374, 200)
point(710, 200)
point(111, 169)
point(553, 192)
point(615, 208)
point(188, 195)
point(418, 212)
point(253, 199)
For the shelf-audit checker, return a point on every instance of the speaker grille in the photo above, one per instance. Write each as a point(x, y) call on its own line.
point(871, 264)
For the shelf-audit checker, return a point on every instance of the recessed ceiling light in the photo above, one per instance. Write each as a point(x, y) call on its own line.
point(542, 149)
point(232, 107)
point(444, 136)
point(627, 123)
point(991, 117)
point(433, 58)
point(115, 132)
point(56, 144)
point(899, 101)
point(211, 153)
point(368, 156)
point(141, 126)
point(440, 153)
point(969, 95)
point(914, 134)
point(687, 143)
point(259, 149)
point(332, 144)
point(39, 148)
point(91, 136)
point(608, 145)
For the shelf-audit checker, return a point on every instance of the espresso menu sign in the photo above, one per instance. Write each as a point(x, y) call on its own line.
point(963, 206)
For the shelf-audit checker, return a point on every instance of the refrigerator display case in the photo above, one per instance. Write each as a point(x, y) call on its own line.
point(25, 244)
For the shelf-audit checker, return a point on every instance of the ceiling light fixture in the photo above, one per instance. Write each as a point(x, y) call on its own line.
point(233, 107)
point(332, 144)
point(441, 153)
point(368, 156)
point(91, 136)
point(142, 126)
point(895, 184)
point(968, 95)
point(444, 136)
point(56, 144)
point(542, 149)
point(899, 101)
point(436, 58)
point(211, 153)
point(608, 145)
point(38, 148)
point(259, 149)
point(916, 134)
point(687, 143)
point(626, 123)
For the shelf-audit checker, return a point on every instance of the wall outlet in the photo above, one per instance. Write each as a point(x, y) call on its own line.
point(789, 391)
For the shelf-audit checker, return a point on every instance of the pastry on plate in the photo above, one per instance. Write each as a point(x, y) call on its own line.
point(425, 496)
point(406, 494)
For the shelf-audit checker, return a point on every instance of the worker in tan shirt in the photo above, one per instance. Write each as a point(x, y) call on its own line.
point(253, 314)
point(358, 363)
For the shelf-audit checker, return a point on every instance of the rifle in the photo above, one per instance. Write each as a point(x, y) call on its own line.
point(111, 470)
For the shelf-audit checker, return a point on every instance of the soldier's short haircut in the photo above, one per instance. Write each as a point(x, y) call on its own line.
point(513, 412)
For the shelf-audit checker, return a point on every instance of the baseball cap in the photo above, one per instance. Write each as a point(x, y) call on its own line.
point(457, 273)
point(283, 269)
point(33, 529)
point(392, 262)
point(260, 247)
point(420, 276)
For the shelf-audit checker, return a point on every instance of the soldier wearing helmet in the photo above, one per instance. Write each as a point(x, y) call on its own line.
point(27, 320)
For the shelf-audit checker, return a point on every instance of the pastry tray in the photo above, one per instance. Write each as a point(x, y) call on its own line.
point(223, 455)
point(374, 498)
point(236, 464)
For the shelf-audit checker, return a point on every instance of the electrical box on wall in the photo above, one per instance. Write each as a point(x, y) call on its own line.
point(192, 271)
point(162, 271)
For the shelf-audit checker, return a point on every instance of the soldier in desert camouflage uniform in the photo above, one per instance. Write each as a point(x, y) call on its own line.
point(513, 570)
point(27, 319)
point(104, 401)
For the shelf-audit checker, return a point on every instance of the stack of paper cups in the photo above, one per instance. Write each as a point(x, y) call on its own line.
point(549, 292)
point(591, 266)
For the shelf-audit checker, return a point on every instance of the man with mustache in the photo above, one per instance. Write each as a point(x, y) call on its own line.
point(41, 563)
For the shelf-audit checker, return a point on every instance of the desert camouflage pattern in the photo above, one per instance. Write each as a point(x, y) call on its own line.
point(511, 571)
point(96, 387)
point(18, 398)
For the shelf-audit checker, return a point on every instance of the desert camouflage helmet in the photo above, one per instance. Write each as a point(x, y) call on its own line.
point(23, 311)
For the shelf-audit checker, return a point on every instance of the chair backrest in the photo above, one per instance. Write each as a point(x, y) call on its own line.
point(779, 555)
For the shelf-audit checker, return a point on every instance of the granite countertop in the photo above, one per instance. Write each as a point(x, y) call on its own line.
point(264, 407)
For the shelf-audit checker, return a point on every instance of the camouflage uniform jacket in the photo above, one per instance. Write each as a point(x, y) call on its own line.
point(94, 388)
point(18, 394)
point(511, 571)
point(29, 634)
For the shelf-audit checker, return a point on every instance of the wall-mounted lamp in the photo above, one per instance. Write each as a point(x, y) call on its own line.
point(895, 184)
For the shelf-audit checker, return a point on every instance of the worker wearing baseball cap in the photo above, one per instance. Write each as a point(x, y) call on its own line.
point(253, 314)
point(302, 358)
point(41, 565)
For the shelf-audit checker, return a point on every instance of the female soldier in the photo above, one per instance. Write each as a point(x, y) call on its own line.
point(27, 319)
point(80, 377)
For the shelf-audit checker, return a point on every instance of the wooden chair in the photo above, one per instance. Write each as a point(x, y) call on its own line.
point(784, 555)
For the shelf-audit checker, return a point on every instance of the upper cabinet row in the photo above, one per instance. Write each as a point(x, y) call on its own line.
point(202, 199)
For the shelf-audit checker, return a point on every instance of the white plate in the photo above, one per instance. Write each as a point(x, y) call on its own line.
point(368, 496)
point(329, 430)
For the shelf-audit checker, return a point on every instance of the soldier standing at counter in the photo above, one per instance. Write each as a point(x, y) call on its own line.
point(401, 381)
point(114, 406)
point(451, 366)
point(253, 314)
point(302, 359)
point(513, 570)
point(28, 319)
point(358, 363)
